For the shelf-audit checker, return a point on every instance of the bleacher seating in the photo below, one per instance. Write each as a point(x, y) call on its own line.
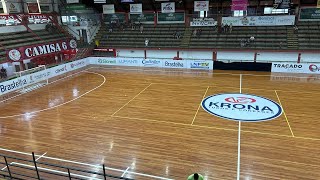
point(17, 39)
point(160, 36)
point(266, 37)
point(309, 35)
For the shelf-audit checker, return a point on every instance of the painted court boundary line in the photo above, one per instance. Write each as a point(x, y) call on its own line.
point(239, 136)
point(218, 128)
point(284, 113)
point(86, 164)
point(194, 118)
point(131, 99)
point(104, 81)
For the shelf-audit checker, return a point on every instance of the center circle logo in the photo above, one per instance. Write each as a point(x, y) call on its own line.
point(73, 43)
point(313, 68)
point(241, 107)
point(14, 55)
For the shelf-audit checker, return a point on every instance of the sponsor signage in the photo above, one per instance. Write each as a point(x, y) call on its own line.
point(33, 8)
point(309, 14)
point(308, 68)
point(285, 20)
point(13, 7)
point(16, 19)
point(203, 22)
point(108, 9)
point(28, 52)
point(199, 64)
point(168, 18)
point(239, 5)
point(135, 8)
point(281, 4)
point(151, 63)
point(143, 18)
point(301, 78)
point(201, 5)
point(114, 18)
point(18, 83)
point(160, 63)
point(168, 7)
point(241, 107)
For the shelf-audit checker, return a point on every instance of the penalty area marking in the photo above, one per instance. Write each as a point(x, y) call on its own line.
point(104, 81)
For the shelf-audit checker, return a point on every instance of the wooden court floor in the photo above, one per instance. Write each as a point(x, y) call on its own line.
point(147, 124)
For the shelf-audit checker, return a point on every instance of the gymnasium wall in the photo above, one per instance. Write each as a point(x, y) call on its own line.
point(225, 56)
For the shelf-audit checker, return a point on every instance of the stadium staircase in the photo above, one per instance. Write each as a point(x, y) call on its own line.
point(292, 39)
point(186, 38)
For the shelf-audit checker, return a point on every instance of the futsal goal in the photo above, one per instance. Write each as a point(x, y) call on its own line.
point(32, 79)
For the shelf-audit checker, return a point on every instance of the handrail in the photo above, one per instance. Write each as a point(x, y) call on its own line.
point(43, 171)
point(58, 25)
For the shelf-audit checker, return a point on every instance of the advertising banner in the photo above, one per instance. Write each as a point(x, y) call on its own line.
point(159, 63)
point(18, 83)
point(309, 14)
point(203, 22)
point(13, 7)
point(143, 18)
point(239, 5)
point(201, 5)
point(108, 9)
point(168, 7)
point(260, 20)
point(114, 18)
point(135, 8)
point(16, 19)
point(33, 8)
point(281, 4)
point(308, 68)
point(171, 18)
point(38, 50)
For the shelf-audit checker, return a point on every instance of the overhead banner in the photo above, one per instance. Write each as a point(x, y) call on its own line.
point(309, 14)
point(167, 18)
point(16, 19)
point(114, 18)
point(239, 5)
point(308, 68)
point(135, 8)
point(108, 9)
point(33, 8)
point(143, 18)
point(72, 1)
point(201, 5)
point(281, 4)
point(28, 52)
point(13, 7)
point(203, 22)
point(168, 7)
point(287, 20)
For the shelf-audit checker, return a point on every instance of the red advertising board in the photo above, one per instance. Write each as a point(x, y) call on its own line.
point(241, 5)
point(38, 50)
point(17, 18)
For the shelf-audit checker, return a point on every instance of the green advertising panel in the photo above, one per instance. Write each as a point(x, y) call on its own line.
point(75, 7)
point(114, 18)
point(146, 17)
point(171, 17)
point(310, 14)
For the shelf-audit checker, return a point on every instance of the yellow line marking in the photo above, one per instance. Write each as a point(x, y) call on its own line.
point(211, 127)
point(131, 99)
point(194, 118)
point(284, 113)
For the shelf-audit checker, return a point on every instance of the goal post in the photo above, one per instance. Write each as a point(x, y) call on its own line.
point(33, 78)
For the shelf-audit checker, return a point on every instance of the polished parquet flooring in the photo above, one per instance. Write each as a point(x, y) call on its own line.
point(147, 124)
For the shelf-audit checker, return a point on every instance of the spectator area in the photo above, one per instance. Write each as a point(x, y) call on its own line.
point(266, 37)
point(18, 39)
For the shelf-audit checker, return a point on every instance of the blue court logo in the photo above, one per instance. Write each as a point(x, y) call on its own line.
point(242, 107)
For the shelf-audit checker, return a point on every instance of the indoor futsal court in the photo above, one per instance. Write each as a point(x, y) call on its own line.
point(145, 123)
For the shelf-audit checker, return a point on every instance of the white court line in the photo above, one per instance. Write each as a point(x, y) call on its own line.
point(104, 81)
point(239, 137)
point(125, 171)
point(46, 85)
point(41, 156)
point(204, 72)
point(86, 164)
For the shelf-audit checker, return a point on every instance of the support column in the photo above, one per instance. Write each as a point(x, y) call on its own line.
point(145, 54)
point(255, 56)
point(299, 58)
point(214, 55)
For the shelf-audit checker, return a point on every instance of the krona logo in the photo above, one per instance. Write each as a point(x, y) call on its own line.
point(240, 100)
point(314, 68)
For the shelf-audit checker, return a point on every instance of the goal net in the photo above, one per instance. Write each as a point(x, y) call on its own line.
point(33, 78)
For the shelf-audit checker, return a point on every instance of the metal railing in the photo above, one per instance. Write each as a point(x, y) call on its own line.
point(22, 169)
